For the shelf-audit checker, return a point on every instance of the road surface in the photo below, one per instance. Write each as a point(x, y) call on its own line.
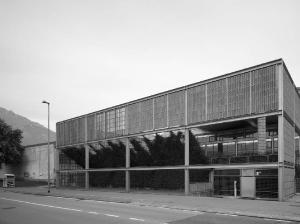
point(30, 209)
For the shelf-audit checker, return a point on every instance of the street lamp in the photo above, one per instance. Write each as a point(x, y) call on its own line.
point(48, 144)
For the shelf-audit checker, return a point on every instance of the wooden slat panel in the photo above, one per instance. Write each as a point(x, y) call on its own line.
point(100, 125)
point(264, 90)
point(58, 134)
point(239, 95)
point(146, 115)
point(160, 112)
point(176, 108)
point(288, 95)
point(134, 118)
point(196, 104)
point(91, 127)
point(66, 133)
point(81, 129)
point(110, 121)
point(120, 121)
point(297, 110)
point(216, 100)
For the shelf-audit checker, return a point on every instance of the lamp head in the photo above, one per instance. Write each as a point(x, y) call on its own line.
point(45, 102)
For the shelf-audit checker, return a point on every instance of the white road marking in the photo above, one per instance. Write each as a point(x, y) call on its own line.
point(43, 205)
point(49, 196)
point(232, 215)
point(132, 204)
point(94, 213)
point(135, 219)
point(279, 220)
point(110, 215)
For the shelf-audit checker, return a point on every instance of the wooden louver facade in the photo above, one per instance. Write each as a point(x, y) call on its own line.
point(246, 92)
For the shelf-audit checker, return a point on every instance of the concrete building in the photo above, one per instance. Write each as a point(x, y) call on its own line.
point(246, 125)
point(34, 165)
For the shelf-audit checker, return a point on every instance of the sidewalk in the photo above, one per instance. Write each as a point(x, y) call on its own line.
point(289, 210)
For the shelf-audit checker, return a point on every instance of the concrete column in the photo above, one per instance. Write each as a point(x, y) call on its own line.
point(87, 165)
point(211, 176)
point(280, 159)
point(261, 126)
point(186, 162)
point(127, 165)
point(56, 166)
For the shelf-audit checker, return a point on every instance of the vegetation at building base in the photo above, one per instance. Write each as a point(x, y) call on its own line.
point(11, 150)
point(159, 152)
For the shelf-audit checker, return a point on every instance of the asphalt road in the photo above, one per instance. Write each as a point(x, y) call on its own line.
point(30, 209)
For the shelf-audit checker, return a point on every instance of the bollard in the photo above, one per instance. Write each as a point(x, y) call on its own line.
point(235, 191)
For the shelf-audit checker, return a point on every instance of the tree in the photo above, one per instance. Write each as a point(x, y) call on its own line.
point(11, 150)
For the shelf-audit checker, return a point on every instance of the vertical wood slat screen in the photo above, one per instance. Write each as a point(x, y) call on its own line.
point(66, 133)
point(91, 132)
point(239, 95)
point(216, 100)
point(134, 118)
point(100, 125)
point(81, 129)
point(146, 122)
point(76, 130)
point(73, 130)
point(234, 91)
point(288, 95)
point(120, 121)
point(160, 112)
point(176, 108)
point(59, 134)
point(297, 110)
point(264, 90)
point(196, 104)
point(110, 121)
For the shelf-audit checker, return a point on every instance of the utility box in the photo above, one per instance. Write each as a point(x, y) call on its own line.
point(8, 180)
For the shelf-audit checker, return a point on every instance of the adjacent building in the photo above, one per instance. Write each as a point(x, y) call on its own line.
point(235, 134)
point(34, 164)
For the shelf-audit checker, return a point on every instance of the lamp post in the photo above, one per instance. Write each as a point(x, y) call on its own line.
point(48, 144)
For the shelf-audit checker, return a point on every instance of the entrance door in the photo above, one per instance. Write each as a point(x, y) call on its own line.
point(248, 187)
point(248, 183)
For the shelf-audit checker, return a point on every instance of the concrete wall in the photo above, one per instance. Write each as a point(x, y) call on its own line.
point(288, 182)
point(34, 163)
point(289, 158)
point(289, 120)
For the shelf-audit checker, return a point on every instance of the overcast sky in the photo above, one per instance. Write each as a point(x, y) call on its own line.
point(84, 56)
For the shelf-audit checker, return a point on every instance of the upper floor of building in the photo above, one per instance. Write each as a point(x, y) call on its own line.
point(261, 89)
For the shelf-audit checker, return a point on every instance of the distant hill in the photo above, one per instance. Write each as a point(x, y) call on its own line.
point(33, 132)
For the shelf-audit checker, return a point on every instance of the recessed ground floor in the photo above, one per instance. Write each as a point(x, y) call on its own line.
point(237, 182)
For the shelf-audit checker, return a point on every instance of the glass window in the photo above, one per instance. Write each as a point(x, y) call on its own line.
point(120, 121)
point(100, 125)
point(247, 147)
point(229, 148)
point(272, 133)
point(275, 148)
point(110, 119)
point(211, 149)
point(269, 146)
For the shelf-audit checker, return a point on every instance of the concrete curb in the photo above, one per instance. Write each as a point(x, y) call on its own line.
point(143, 204)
